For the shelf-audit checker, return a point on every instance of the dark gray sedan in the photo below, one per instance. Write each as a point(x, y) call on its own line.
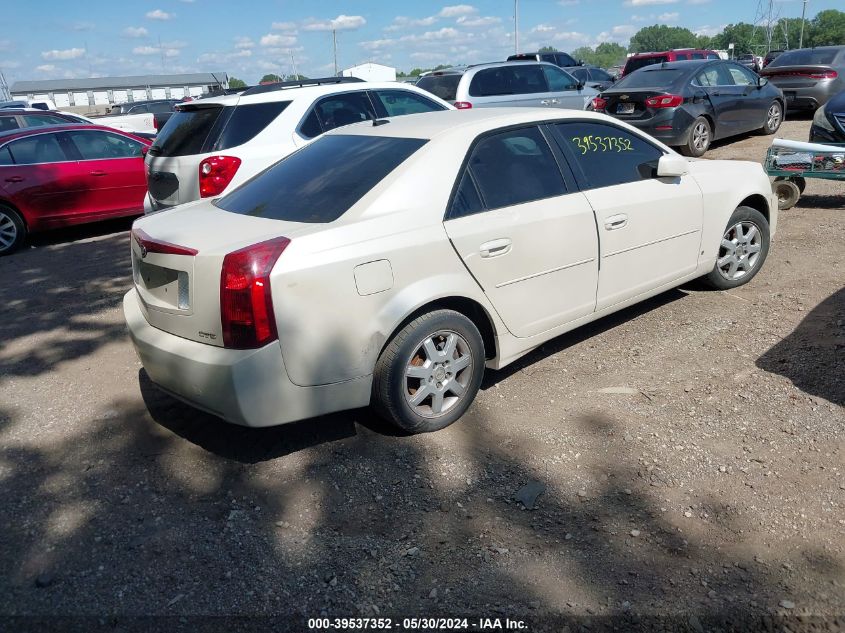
point(690, 104)
point(808, 76)
point(591, 76)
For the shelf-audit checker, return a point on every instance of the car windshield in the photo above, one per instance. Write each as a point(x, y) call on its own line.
point(443, 86)
point(656, 78)
point(642, 62)
point(320, 182)
point(805, 57)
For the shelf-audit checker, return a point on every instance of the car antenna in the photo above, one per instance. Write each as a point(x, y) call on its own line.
point(377, 122)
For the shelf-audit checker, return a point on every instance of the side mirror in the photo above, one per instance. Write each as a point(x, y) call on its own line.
point(761, 81)
point(672, 166)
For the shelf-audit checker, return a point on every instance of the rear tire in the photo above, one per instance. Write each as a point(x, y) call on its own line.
point(774, 117)
point(12, 230)
point(744, 248)
point(788, 193)
point(700, 137)
point(429, 373)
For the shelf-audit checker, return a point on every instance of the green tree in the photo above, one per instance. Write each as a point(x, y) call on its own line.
point(605, 55)
point(234, 82)
point(826, 29)
point(294, 78)
point(660, 37)
point(547, 49)
point(270, 77)
point(745, 37)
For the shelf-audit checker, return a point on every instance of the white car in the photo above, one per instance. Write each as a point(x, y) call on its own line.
point(389, 264)
point(210, 146)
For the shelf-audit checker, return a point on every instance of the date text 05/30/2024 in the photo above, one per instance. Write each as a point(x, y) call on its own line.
point(415, 624)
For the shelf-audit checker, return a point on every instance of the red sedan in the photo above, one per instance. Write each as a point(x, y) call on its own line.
point(67, 174)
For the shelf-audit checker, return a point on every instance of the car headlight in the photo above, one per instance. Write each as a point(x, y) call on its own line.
point(820, 119)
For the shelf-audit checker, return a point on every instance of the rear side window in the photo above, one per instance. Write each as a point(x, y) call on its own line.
point(186, 132)
point(466, 200)
point(5, 156)
point(36, 120)
point(515, 167)
point(8, 123)
point(508, 80)
point(32, 150)
point(400, 102)
point(245, 123)
point(320, 182)
point(608, 155)
point(443, 86)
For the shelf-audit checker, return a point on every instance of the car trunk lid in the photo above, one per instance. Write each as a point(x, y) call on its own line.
point(630, 104)
point(177, 257)
point(803, 76)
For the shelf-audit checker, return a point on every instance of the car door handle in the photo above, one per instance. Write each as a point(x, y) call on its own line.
point(98, 172)
point(616, 222)
point(545, 102)
point(494, 248)
point(15, 179)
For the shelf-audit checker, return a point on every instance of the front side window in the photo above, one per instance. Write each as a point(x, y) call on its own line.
point(321, 181)
point(36, 121)
point(515, 167)
point(33, 150)
point(97, 145)
point(401, 102)
point(560, 80)
point(599, 75)
point(607, 155)
point(742, 76)
point(714, 76)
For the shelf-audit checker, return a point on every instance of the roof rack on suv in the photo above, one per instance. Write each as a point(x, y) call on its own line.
point(283, 85)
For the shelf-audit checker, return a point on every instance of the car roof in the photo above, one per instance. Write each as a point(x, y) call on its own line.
point(59, 127)
point(308, 92)
point(430, 125)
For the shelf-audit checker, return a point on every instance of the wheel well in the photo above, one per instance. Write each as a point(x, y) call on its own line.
point(471, 309)
point(6, 203)
point(712, 124)
point(758, 202)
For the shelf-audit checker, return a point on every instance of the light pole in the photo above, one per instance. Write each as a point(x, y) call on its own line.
point(516, 27)
point(801, 37)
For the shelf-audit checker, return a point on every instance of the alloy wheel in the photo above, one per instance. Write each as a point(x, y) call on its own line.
point(701, 136)
point(774, 116)
point(8, 231)
point(740, 250)
point(438, 373)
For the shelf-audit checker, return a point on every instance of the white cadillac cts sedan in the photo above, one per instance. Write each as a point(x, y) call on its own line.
point(389, 263)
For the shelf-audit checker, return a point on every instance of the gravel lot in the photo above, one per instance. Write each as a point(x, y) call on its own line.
point(689, 453)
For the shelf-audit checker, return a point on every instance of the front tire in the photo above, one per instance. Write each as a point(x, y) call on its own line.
point(430, 372)
point(744, 247)
point(700, 137)
point(12, 230)
point(774, 117)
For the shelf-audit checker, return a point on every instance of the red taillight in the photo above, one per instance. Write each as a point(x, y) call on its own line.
point(599, 103)
point(155, 124)
point(216, 172)
point(827, 74)
point(246, 302)
point(150, 245)
point(664, 101)
point(463, 105)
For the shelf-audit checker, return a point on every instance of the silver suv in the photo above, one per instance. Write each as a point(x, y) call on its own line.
point(500, 84)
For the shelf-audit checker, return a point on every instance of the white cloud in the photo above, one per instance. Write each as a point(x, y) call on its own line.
point(217, 58)
point(158, 14)
point(698, 1)
point(709, 31)
point(167, 51)
point(571, 36)
point(145, 50)
point(174, 44)
point(446, 32)
point(372, 45)
point(543, 28)
point(647, 3)
point(244, 42)
point(624, 30)
point(135, 31)
point(274, 39)
point(5, 45)
point(283, 26)
point(457, 11)
point(639, 18)
point(68, 53)
point(340, 23)
point(479, 21)
point(9, 64)
point(46, 68)
point(82, 26)
point(668, 17)
point(568, 3)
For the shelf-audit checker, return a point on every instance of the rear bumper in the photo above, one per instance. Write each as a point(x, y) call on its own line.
point(245, 387)
point(677, 120)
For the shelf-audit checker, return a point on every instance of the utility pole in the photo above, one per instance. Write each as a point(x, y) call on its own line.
point(4, 88)
point(516, 27)
point(161, 52)
point(293, 65)
point(803, 13)
point(334, 45)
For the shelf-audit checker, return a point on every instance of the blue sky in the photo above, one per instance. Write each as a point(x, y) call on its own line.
point(55, 38)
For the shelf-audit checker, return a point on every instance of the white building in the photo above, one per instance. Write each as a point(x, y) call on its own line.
point(103, 91)
point(371, 72)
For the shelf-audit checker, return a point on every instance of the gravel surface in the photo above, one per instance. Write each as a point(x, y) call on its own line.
point(682, 459)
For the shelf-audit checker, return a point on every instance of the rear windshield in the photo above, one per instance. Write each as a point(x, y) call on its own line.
point(642, 62)
point(656, 78)
point(443, 86)
point(805, 57)
point(320, 182)
point(212, 129)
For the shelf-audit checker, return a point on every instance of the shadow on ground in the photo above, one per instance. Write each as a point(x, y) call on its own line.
point(813, 355)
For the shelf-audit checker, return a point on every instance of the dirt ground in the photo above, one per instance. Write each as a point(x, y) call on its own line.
point(689, 451)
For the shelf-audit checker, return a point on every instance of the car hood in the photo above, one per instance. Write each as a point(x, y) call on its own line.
point(836, 103)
